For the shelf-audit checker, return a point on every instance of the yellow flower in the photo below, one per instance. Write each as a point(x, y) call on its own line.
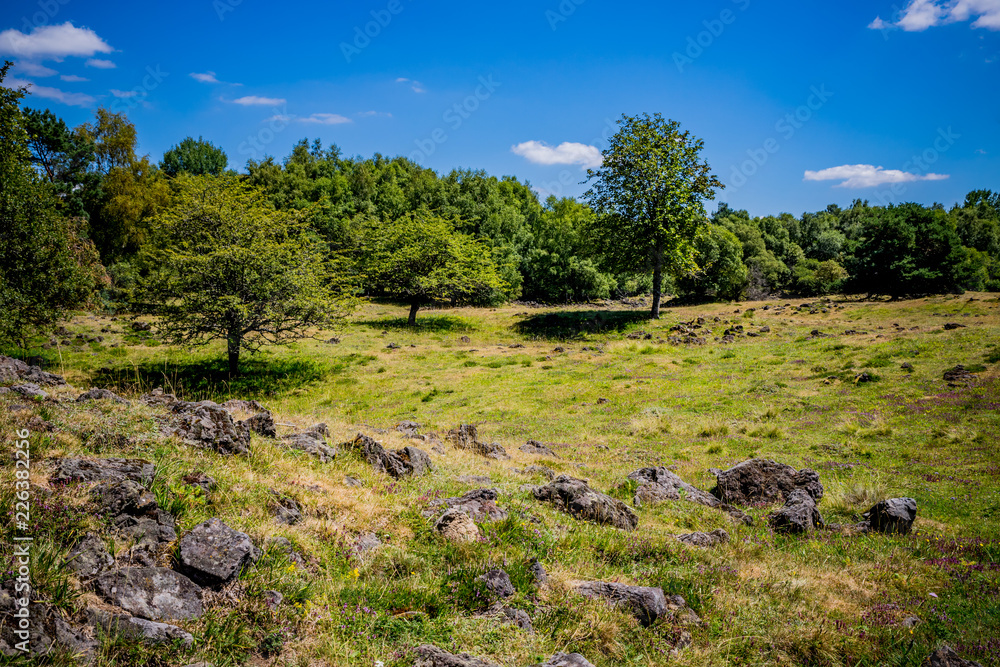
point(356, 573)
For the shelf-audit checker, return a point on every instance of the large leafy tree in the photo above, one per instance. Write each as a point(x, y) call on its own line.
point(46, 267)
point(62, 158)
point(721, 272)
point(224, 265)
point(648, 195)
point(196, 157)
point(421, 259)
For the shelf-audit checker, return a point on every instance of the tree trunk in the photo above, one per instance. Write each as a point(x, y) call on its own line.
point(657, 283)
point(235, 342)
point(414, 307)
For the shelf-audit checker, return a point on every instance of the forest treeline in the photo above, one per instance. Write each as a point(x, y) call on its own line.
point(83, 215)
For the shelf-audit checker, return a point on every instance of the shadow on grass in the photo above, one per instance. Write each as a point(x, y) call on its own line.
point(435, 323)
point(210, 380)
point(563, 326)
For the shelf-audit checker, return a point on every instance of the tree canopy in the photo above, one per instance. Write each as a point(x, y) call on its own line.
point(195, 157)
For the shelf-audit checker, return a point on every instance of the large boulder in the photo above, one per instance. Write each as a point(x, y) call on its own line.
point(153, 593)
point(89, 557)
point(96, 470)
point(208, 425)
point(480, 504)
point(799, 514)
point(895, 515)
point(646, 603)
point(764, 481)
point(115, 498)
point(946, 657)
point(566, 660)
point(29, 390)
point(139, 629)
point(400, 463)
point(213, 554)
point(14, 370)
point(576, 498)
point(660, 484)
point(432, 656)
point(312, 441)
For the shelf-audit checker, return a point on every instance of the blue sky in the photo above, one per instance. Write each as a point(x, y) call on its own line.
point(799, 104)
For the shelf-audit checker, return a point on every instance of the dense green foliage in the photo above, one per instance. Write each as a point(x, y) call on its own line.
point(644, 228)
point(46, 267)
point(648, 198)
point(225, 265)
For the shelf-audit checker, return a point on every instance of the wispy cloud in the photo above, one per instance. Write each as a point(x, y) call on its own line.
point(325, 119)
point(565, 153)
point(204, 77)
point(100, 64)
point(374, 114)
point(73, 78)
point(52, 42)
point(256, 100)
point(46, 92)
point(415, 86)
point(125, 94)
point(867, 176)
point(919, 15)
point(28, 68)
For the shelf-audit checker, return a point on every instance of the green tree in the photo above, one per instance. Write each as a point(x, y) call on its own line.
point(63, 158)
point(721, 272)
point(421, 259)
point(224, 265)
point(46, 268)
point(196, 157)
point(648, 196)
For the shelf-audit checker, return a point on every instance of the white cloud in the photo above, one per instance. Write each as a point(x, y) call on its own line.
point(53, 42)
point(919, 15)
point(71, 99)
point(204, 77)
point(980, 151)
point(565, 153)
point(375, 114)
point(100, 64)
point(415, 86)
point(325, 119)
point(867, 176)
point(255, 100)
point(28, 68)
point(73, 78)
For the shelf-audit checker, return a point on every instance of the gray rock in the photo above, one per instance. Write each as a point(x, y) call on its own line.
point(149, 632)
point(518, 617)
point(764, 481)
point(576, 498)
point(479, 504)
point(366, 544)
point(123, 497)
point(203, 481)
point(208, 425)
point(895, 515)
point(498, 583)
point(157, 397)
point(646, 603)
point(96, 470)
point(537, 448)
point(432, 656)
point(457, 526)
point(566, 660)
point(14, 370)
point(90, 557)
point(286, 509)
point(799, 514)
point(29, 390)
point(538, 572)
point(262, 423)
point(660, 484)
point(313, 442)
point(96, 394)
point(544, 471)
point(273, 600)
point(400, 463)
point(946, 657)
point(151, 531)
point(409, 429)
point(49, 632)
point(705, 540)
point(353, 481)
point(153, 593)
point(466, 437)
point(213, 554)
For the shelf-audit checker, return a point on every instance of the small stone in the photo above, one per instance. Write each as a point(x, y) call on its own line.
point(273, 600)
point(498, 583)
point(457, 526)
point(895, 515)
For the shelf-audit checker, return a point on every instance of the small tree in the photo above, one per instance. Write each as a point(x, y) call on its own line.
point(225, 265)
point(422, 259)
point(196, 157)
point(648, 195)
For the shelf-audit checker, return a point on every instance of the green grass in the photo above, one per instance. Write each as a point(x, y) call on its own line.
point(827, 599)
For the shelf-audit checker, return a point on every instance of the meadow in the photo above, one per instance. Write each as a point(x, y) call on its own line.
point(814, 384)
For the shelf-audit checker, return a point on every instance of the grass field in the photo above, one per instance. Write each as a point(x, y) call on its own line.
point(605, 389)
